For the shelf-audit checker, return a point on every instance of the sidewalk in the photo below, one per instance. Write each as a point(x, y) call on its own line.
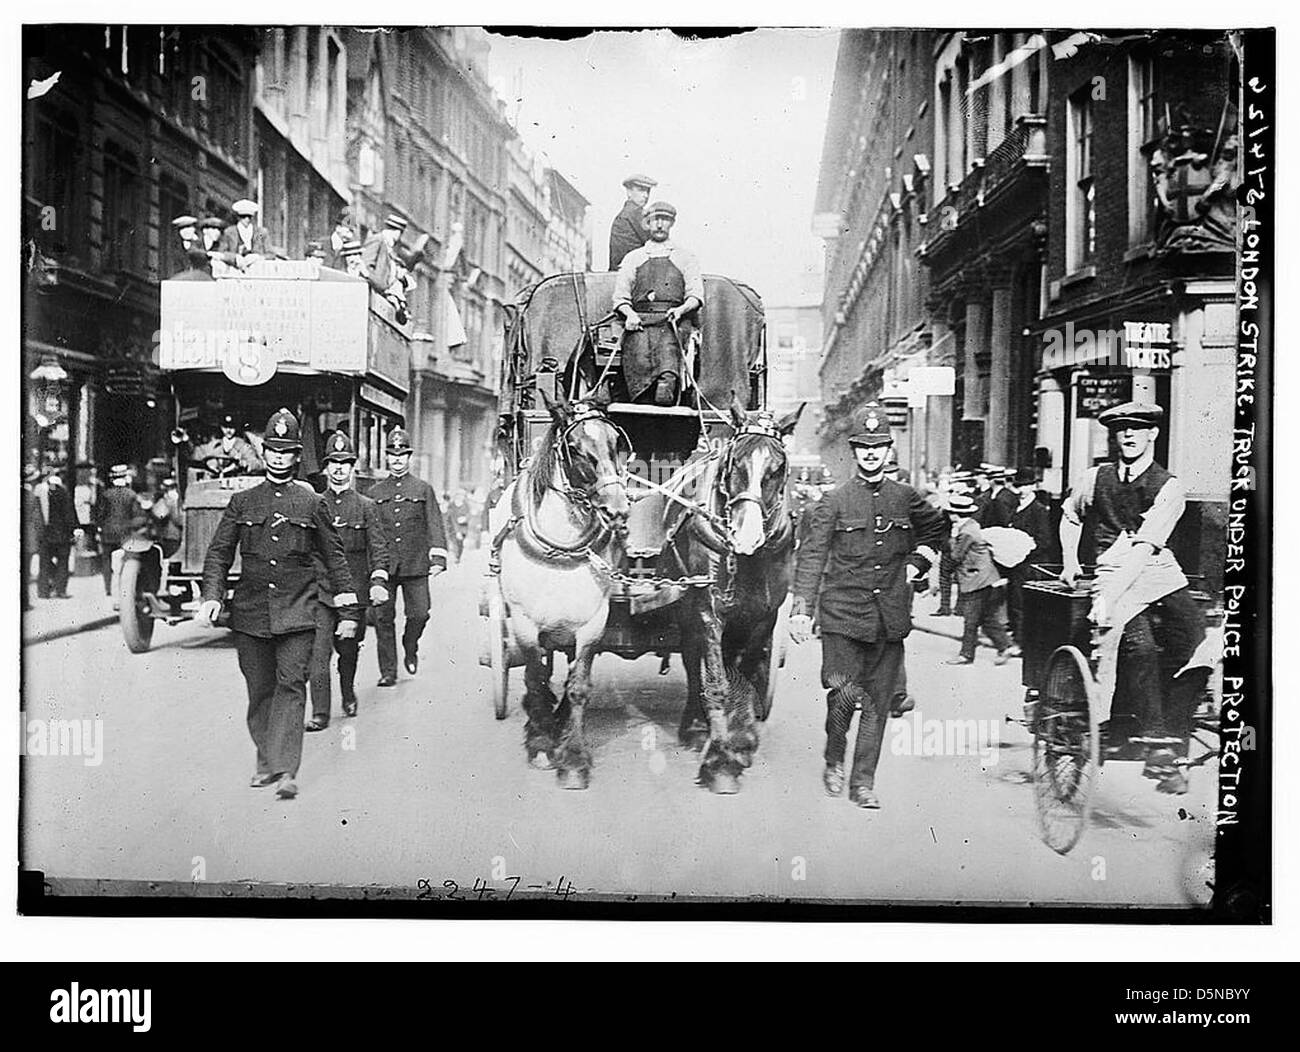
point(87, 608)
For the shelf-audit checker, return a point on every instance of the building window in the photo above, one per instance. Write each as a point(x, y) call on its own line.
point(1081, 200)
point(122, 231)
point(224, 95)
point(1143, 133)
point(52, 183)
point(173, 201)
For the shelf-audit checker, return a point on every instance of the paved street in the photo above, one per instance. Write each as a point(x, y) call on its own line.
point(426, 785)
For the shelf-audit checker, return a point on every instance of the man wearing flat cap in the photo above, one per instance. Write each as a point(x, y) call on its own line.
point(1120, 519)
point(870, 540)
point(285, 535)
point(658, 292)
point(245, 243)
point(628, 233)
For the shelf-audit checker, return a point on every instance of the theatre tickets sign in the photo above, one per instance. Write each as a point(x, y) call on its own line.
point(1144, 345)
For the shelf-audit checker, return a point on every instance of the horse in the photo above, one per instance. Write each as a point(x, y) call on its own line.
point(742, 536)
point(568, 518)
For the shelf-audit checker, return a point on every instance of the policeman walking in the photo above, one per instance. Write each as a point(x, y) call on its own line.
point(869, 539)
point(357, 520)
point(281, 528)
point(408, 509)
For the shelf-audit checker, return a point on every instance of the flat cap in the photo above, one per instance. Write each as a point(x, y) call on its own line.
point(181, 222)
point(660, 208)
point(1132, 414)
point(636, 180)
point(244, 207)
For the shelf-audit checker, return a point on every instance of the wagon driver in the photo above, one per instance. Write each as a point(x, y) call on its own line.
point(658, 292)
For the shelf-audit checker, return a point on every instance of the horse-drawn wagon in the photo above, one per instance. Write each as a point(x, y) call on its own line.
point(634, 528)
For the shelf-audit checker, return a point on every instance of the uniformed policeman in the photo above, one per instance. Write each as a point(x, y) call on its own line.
point(658, 293)
point(280, 527)
point(628, 231)
point(1121, 516)
point(412, 520)
point(870, 538)
point(357, 520)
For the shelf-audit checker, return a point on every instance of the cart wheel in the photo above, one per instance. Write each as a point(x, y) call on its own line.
point(776, 650)
point(134, 615)
point(498, 662)
point(1066, 749)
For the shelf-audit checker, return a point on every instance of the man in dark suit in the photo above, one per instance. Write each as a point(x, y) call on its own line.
point(1031, 516)
point(628, 231)
point(33, 525)
point(417, 545)
point(283, 532)
point(244, 243)
point(116, 514)
point(60, 517)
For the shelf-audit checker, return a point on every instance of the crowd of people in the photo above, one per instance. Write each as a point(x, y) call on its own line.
point(92, 521)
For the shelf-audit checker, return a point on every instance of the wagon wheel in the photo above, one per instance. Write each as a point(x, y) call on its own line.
point(498, 656)
point(1066, 749)
point(134, 615)
point(776, 650)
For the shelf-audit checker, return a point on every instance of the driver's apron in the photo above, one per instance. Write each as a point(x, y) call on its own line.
point(658, 286)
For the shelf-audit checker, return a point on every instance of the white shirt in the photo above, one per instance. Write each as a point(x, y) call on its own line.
point(679, 257)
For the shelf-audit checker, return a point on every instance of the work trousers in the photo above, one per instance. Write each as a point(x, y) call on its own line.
point(53, 578)
point(984, 608)
point(866, 674)
point(324, 645)
point(415, 600)
point(947, 568)
point(1016, 578)
point(1155, 645)
point(275, 672)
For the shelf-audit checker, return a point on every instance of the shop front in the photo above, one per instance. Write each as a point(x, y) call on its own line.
point(1176, 353)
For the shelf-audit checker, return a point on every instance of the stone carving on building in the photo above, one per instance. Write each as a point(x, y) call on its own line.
point(1194, 180)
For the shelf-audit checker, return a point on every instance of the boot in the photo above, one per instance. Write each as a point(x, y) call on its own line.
point(665, 391)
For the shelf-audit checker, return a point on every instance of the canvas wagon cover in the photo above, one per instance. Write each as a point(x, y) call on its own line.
point(731, 325)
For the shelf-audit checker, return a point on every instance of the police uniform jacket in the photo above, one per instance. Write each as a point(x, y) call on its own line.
point(412, 523)
point(280, 530)
point(364, 545)
point(626, 233)
point(855, 556)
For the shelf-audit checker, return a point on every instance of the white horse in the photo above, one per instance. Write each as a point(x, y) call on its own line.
point(567, 519)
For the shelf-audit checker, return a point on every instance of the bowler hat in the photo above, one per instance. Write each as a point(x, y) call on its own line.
point(1132, 414)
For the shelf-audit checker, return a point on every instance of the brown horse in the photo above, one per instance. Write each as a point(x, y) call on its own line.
point(746, 543)
point(568, 518)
